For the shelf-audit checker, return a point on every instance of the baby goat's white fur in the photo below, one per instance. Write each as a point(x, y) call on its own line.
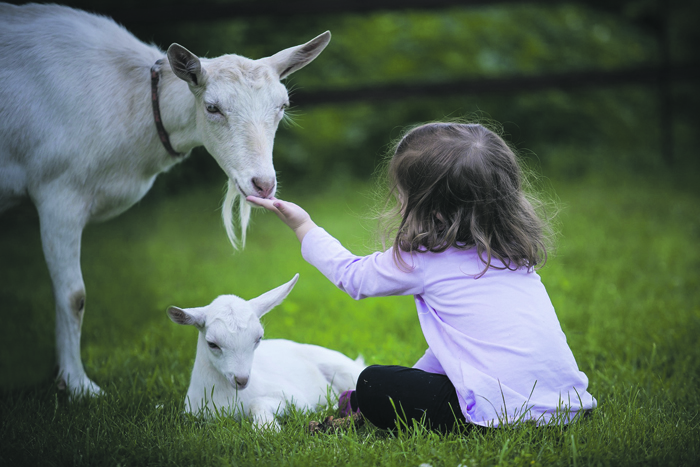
point(77, 134)
point(236, 372)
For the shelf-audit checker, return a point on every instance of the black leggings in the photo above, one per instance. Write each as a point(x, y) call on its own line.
point(428, 398)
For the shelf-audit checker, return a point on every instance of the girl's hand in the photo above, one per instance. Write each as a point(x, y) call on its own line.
point(294, 216)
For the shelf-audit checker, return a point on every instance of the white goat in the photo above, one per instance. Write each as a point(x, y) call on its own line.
point(89, 116)
point(236, 372)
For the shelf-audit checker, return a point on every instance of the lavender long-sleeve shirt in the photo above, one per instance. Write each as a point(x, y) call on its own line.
point(496, 337)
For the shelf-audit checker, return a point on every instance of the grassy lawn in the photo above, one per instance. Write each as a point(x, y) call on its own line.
point(625, 281)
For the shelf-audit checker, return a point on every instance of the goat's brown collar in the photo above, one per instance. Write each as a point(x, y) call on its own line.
point(162, 134)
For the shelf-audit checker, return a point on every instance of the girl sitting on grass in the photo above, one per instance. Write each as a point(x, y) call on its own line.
point(466, 249)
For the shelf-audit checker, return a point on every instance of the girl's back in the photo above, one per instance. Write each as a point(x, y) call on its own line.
point(497, 332)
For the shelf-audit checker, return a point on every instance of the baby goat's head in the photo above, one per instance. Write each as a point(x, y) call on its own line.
point(230, 330)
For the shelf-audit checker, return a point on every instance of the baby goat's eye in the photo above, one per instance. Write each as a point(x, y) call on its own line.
point(212, 109)
point(257, 341)
point(213, 346)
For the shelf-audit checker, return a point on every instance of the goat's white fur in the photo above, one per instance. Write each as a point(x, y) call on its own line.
point(77, 134)
point(245, 375)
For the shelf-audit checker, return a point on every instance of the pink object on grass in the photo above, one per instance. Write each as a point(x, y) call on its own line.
point(344, 404)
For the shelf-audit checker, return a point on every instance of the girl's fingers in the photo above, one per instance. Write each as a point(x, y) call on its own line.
point(291, 214)
point(275, 205)
point(262, 202)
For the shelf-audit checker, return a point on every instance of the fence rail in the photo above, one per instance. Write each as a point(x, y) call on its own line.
point(648, 75)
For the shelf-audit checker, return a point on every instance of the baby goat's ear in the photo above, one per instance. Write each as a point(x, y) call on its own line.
point(190, 316)
point(274, 297)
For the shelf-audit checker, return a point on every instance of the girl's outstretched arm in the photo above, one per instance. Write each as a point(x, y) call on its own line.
point(294, 216)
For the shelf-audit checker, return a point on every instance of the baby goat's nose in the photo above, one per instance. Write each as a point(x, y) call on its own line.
point(241, 381)
point(264, 186)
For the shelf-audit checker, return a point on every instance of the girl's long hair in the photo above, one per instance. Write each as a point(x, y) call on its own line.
point(460, 185)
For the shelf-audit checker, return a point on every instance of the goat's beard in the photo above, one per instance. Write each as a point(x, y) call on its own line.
point(232, 194)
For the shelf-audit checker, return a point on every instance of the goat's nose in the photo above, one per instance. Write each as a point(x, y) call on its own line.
point(264, 186)
point(241, 382)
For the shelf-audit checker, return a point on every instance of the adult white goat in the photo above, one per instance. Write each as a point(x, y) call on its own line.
point(238, 373)
point(89, 116)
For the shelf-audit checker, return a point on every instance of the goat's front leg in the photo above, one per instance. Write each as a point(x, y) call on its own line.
point(262, 411)
point(62, 221)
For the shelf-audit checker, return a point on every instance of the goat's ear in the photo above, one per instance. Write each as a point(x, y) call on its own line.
point(274, 297)
point(292, 59)
point(190, 316)
point(186, 65)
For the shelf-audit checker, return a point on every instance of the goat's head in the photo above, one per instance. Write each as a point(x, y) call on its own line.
point(230, 330)
point(239, 104)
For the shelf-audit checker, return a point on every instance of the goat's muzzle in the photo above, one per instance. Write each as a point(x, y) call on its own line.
point(264, 187)
point(240, 382)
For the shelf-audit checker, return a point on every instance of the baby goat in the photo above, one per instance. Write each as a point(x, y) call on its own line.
point(236, 372)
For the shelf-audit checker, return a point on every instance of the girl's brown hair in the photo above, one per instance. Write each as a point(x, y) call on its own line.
point(460, 185)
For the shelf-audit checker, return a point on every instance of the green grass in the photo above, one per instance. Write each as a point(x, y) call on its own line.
point(625, 282)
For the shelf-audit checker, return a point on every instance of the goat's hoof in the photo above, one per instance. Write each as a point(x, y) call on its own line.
point(85, 388)
point(61, 384)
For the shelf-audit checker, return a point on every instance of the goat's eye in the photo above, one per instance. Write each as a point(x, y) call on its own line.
point(257, 341)
point(212, 109)
point(213, 346)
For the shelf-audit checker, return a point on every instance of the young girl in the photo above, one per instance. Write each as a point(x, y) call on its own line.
point(466, 249)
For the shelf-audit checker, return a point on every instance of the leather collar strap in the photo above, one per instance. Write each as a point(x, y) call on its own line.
point(162, 134)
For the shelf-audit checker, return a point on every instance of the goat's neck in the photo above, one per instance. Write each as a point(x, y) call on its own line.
point(177, 108)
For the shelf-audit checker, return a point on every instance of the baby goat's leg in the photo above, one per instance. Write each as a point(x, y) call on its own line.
point(62, 219)
point(262, 411)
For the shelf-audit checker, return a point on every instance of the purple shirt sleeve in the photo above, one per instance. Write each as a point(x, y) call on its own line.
point(376, 275)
